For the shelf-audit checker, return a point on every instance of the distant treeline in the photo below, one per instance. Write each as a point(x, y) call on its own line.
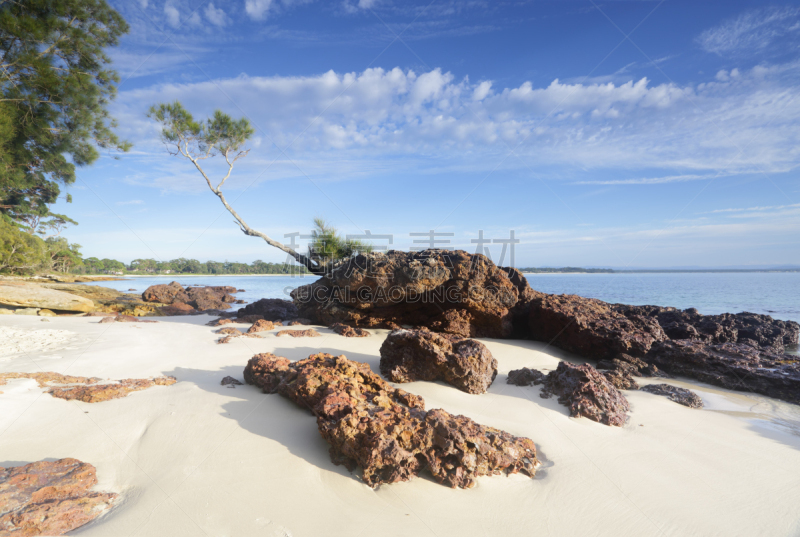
point(574, 270)
point(93, 265)
point(566, 270)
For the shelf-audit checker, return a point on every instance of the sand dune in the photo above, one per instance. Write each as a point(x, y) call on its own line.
point(197, 458)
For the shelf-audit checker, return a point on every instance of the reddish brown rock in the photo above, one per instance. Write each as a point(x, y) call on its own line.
point(682, 396)
point(630, 365)
point(591, 328)
point(453, 292)
point(198, 298)
point(734, 366)
point(250, 319)
point(219, 322)
point(271, 309)
point(178, 308)
point(348, 331)
point(386, 431)
point(297, 322)
point(223, 340)
point(298, 333)
point(228, 330)
point(87, 389)
point(585, 390)
point(411, 355)
point(525, 377)
point(165, 293)
point(260, 326)
point(49, 498)
point(621, 379)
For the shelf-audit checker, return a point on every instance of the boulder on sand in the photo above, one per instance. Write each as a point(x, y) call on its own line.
point(271, 309)
point(411, 355)
point(453, 292)
point(682, 396)
point(22, 295)
point(199, 298)
point(386, 431)
point(49, 498)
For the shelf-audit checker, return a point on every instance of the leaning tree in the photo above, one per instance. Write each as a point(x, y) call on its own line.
point(222, 136)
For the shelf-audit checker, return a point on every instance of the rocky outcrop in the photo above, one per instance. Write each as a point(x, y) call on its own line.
point(198, 298)
point(682, 396)
point(735, 366)
point(260, 325)
point(117, 318)
point(412, 355)
point(25, 295)
point(591, 328)
point(49, 498)
point(230, 382)
point(386, 431)
point(299, 322)
point(582, 388)
point(87, 389)
point(310, 332)
point(630, 365)
point(453, 292)
point(271, 309)
point(347, 331)
point(525, 377)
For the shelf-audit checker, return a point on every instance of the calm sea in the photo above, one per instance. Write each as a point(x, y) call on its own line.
point(772, 293)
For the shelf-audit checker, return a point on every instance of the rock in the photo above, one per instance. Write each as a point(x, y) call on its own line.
point(178, 308)
point(165, 293)
point(586, 392)
point(87, 389)
point(348, 331)
point(131, 289)
point(386, 431)
point(6, 311)
point(761, 330)
point(247, 319)
point(226, 339)
point(230, 331)
point(734, 366)
point(682, 396)
point(621, 380)
point(49, 498)
point(271, 309)
point(298, 322)
point(453, 292)
point(240, 291)
point(46, 313)
point(27, 311)
point(412, 355)
point(298, 333)
point(525, 377)
point(106, 299)
point(240, 301)
point(219, 322)
point(230, 382)
point(261, 325)
point(591, 328)
point(24, 295)
point(630, 365)
point(124, 319)
point(210, 298)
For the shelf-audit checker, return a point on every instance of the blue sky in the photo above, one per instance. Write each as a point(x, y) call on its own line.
point(615, 133)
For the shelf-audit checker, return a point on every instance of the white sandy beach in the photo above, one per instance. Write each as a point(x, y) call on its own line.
point(197, 458)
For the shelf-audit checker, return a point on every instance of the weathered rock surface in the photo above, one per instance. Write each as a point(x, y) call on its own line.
point(310, 332)
point(198, 298)
point(118, 318)
point(25, 295)
point(385, 431)
point(87, 389)
point(260, 325)
point(298, 322)
point(49, 498)
point(219, 322)
point(630, 365)
point(621, 380)
point(230, 382)
point(178, 308)
point(453, 292)
point(583, 389)
point(348, 331)
point(230, 331)
point(412, 355)
point(591, 328)
point(525, 377)
point(735, 366)
point(247, 319)
point(682, 396)
point(271, 309)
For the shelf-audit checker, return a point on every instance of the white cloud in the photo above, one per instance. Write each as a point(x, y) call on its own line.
point(748, 123)
point(257, 9)
point(216, 16)
point(751, 32)
point(173, 15)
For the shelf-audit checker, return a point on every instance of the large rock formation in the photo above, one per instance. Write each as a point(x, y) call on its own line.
point(24, 295)
point(582, 388)
point(453, 292)
point(271, 309)
point(49, 498)
point(411, 355)
point(87, 389)
point(200, 298)
point(386, 431)
point(735, 366)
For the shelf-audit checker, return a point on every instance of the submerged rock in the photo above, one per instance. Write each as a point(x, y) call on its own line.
point(348, 331)
point(386, 431)
point(87, 389)
point(682, 396)
point(734, 366)
point(453, 292)
point(411, 355)
point(49, 498)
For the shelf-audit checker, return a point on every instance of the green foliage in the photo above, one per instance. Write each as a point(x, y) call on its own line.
point(194, 139)
point(328, 246)
point(20, 252)
point(55, 87)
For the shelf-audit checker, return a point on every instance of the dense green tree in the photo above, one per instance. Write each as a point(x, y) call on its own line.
point(55, 86)
point(327, 245)
point(20, 252)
